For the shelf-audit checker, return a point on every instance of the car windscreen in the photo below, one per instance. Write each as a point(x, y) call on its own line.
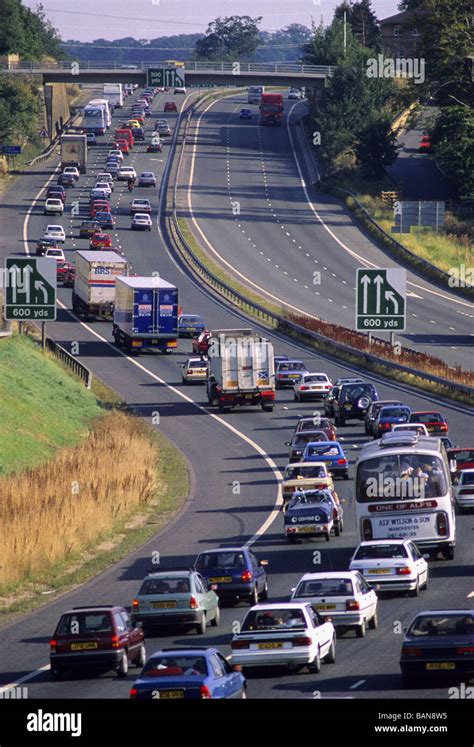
point(334, 587)
point(394, 412)
point(165, 585)
point(82, 623)
point(171, 665)
point(303, 472)
point(274, 620)
point(442, 625)
point(217, 560)
point(401, 477)
point(323, 451)
point(373, 552)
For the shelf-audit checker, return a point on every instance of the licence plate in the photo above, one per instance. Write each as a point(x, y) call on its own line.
point(441, 665)
point(293, 376)
point(306, 529)
point(84, 646)
point(325, 607)
point(379, 570)
point(270, 645)
point(164, 605)
point(221, 580)
point(248, 396)
point(171, 694)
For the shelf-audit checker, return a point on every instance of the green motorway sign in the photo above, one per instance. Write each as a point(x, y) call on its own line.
point(381, 299)
point(30, 288)
point(169, 77)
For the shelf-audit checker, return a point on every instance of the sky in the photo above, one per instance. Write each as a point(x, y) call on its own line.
point(86, 20)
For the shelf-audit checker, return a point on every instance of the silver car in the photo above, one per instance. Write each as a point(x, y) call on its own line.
point(147, 179)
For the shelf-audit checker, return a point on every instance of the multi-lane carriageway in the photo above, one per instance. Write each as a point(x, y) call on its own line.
point(244, 446)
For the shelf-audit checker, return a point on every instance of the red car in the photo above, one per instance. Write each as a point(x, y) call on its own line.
point(317, 423)
point(154, 148)
point(57, 193)
point(201, 343)
point(461, 457)
point(123, 146)
point(436, 424)
point(425, 145)
point(63, 271)
point(99, 206)
point(170, 106)
point(100, 241)
point(69, 277)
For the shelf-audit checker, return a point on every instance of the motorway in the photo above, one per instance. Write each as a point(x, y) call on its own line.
point(246, 445)
point(248, 200)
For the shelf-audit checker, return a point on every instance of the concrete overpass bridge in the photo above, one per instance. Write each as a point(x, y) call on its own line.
point(197, 73)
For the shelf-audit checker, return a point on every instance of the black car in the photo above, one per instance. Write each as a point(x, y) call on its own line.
point(374, 410)
point(298, 443)
point(66, 180)
point(438, 643)
point(235, 573)
point(44, 244)
point(88, 228)
point(138, 133)
point(353, 402)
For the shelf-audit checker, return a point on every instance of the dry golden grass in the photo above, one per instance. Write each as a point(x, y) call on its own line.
point(50, 512)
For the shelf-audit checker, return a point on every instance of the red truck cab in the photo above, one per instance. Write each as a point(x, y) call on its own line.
point(271, 109)
point(125, 133)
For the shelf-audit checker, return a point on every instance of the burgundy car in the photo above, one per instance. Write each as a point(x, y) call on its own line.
point(436, 424)
point(201, 343)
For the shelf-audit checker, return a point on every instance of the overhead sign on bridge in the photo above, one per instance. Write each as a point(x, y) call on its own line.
point(165, 77)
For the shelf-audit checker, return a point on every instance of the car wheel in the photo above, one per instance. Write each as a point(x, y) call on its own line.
point(448, 553)
point(291, 539)
point(337, 529)
point(416, 591)
point(267, 408)
point(122, 669)
point(341, 526)
point(315, 665)
point(330, 657)
point(341, 422)
point(201, 627)
point(409, 681)
point(264, 594)
point(374, 621)
point(254, 596)
point(361, 630)
point(346, 475)
point(57, 674)
point(295, 397)
point(141, 657)
point(425, 585)
point(216, 619)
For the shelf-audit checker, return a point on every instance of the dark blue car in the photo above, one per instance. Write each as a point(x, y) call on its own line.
point(235, 573)
point(190, 325)
point(245, 114)
point(388, 416)
point(188, 674)
point(329, 452)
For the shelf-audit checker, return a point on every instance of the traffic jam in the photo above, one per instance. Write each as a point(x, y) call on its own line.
point(411, 483)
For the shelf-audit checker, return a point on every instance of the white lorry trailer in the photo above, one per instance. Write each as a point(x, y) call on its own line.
point(94, 283)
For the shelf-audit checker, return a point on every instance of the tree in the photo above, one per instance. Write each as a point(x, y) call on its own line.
point(376, 147)
point(452, 140)
point(410, 4)
point(19, 107)
point(232, 38)
point(362, 21)
point(12, 33)
point(26, 32)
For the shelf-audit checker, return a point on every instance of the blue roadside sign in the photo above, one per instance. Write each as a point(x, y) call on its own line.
point(11, 150)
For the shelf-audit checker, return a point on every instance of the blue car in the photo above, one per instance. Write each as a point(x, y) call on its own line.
point(245, 114)
point(190, 325)
point(329, 452)
point(388, 416)
point(235, 573)
point(188, 674)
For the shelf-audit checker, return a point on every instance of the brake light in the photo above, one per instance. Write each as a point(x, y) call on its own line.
point(351, 604)
point(442, 524)
point(53, 644)
point(334, 513)
point(302, 640)
point(463, 650)
point(135, 604)
point(247, 576)
point(205, 692)
point(239, 645)
point(443, 426)
point(133, 692)
point(466, 491)
point(280, 376)
point(385, 425)
point(367, 529)
point(411, 651)
point(303, 388)
point(404, 571)
point(115, 641)
point(342, 461)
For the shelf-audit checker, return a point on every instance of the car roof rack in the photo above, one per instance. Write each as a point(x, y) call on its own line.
point(399, 438)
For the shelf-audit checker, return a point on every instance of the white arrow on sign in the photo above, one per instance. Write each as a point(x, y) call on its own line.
point(378, 280)
point(20, 281)
point(39, 285)
point(389, 296)
point(365, 280)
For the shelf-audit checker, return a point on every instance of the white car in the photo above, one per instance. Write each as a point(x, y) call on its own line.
point(419, 428)
point(464, 492)
point(394, 564)
point(106, 176)
point(312, 386)
point(140, 206)
point(55, 232)
point(194, 369)
point(344, 595)
point(117, 154)
point(72, 170)
point(56, 253)
point(125, 173)
point(295, 93)
point(180, 89)
point(285, 634)
point(105, 186)
point(141, 222)
point(53, 206)
point(162, 127)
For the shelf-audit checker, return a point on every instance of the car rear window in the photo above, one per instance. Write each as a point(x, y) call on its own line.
point(275, 619)
point(323, 450)
point(334, 587)
point(196, 364)
point(442, 625)
point(175, 666)
point(167, 585)
point(467, 478)
point(394, 412)
point(303, 472)
point(291, 366)
point(315, 377)
point(306, 437)
point(82, 623)
point(428, 417)
point(218, 560)
point(372, 552)
point(311, 423)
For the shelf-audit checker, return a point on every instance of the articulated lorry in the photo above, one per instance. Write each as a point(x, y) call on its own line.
point(94, 283)
point(146, 314)
point(240, 370)
point(74, 152)
point(113, 92)
point(271, 109)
